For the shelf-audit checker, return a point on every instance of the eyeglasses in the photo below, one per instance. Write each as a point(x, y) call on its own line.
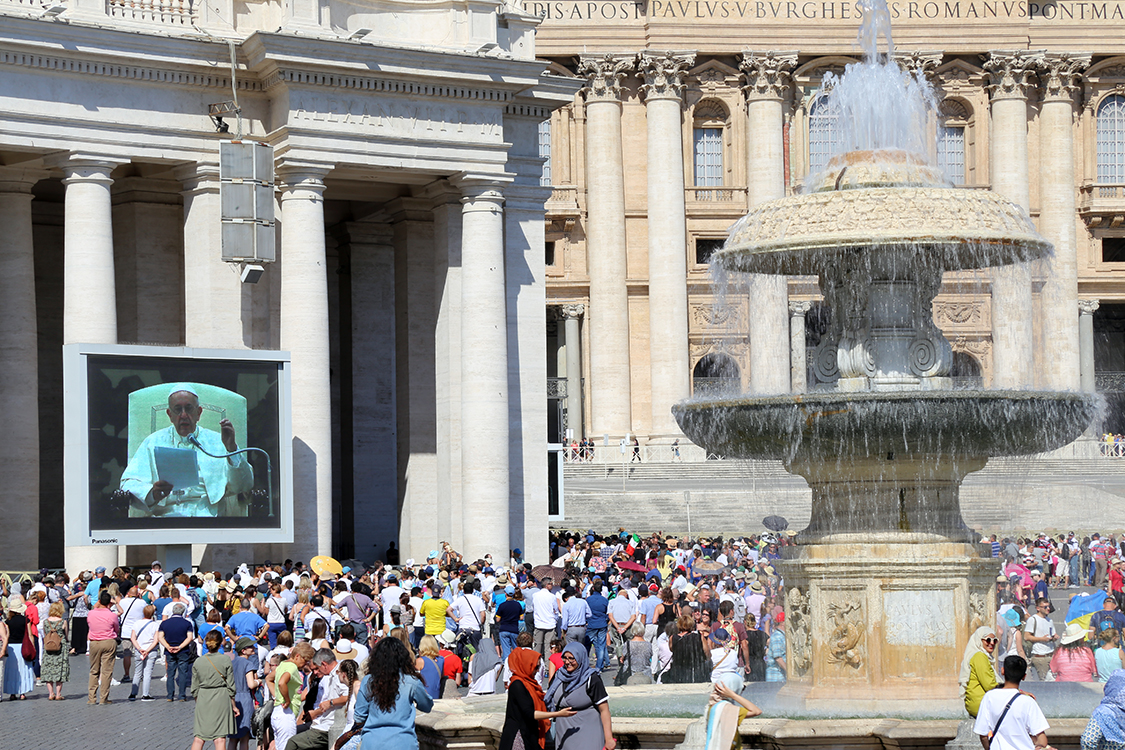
point(569, 657)
point(992, 641)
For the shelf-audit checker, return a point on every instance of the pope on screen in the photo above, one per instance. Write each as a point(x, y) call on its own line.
point(219, 477)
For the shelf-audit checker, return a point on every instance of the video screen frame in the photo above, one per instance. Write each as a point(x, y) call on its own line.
point(80, 360)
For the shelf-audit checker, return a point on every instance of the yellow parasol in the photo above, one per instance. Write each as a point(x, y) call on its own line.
point(324, 565)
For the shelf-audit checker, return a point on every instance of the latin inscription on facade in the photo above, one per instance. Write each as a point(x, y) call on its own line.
point(918, 618)
point(398, 119)
point(822, 10)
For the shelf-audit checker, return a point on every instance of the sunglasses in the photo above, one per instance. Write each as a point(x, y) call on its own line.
point(993, 641)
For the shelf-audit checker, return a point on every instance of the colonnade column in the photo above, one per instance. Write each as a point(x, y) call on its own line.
point(667, 235)
point(89, 292)
point(304, 333)
point(1059, 360)
point(572, 336)
point(767, 82)
point(216, 304)
point(1086, 310)
point(484, 368)
point(19, 376)
point(798, 368)
point(608, 317)
point(1010, 82)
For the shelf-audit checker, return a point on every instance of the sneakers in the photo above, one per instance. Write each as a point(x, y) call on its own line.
point(132, 698)
point(147, 698)
point(115, 683)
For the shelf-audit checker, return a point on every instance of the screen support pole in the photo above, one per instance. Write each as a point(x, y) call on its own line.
point(175, 556)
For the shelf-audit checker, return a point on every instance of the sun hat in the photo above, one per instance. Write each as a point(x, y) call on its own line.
point(17, 605)
point(448, 637)
point(1012, 617)
point(1074, 632)
point(345, 649)
point(244, 643)
point(757, 587)
point(719, 636)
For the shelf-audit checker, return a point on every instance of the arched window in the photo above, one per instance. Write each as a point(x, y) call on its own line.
point(953, 122)
point(966, 370)
point(709, 128)
point(825, 136)
point(545, 151)
point(1111, 140)
point(716, 373)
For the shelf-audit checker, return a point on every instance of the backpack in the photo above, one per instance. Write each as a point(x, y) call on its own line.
point(193, 594)
point(52, 641)
point(1064, 553)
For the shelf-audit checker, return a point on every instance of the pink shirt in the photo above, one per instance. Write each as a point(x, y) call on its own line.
point(1074, 666)
point(103, 624)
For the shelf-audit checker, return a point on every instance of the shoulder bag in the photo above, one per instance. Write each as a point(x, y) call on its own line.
point(1003, 713)
point(28, 648)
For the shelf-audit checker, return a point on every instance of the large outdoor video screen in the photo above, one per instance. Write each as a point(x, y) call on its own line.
point(176, 446)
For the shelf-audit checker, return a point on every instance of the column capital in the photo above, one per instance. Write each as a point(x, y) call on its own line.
point(80, 166)
point(487, 188)
point(1060, 74)
point(572, 310)
point(799, 307)
point(604, 74)
point(664, 73)
point(20, 179)
point(297, 174)
point(767, 74)
point(1088, 306)
point(1011, 72)
point(918, 61)
point(198, 177)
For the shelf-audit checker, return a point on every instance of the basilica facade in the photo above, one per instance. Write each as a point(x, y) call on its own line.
point(408, 281)
point(691, 113)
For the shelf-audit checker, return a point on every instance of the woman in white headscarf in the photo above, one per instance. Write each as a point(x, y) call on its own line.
point(978, 675)
point(726, 709)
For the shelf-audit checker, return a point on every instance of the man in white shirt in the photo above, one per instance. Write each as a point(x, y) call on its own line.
point(177, 598)
point(622, 614)
point(468, 609)
point(1023, 726)
point(331, 697)
point(390, 596)
point(1040, 632)
point(546, 616)
point(131, 609)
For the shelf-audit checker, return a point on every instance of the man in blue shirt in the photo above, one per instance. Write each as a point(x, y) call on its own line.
point(597, 622)
point(176, 635)
point(575, 613)
point(647, 609)
point(247, 624)
point(508, 616)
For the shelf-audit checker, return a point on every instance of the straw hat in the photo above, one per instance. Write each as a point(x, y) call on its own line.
point(16, 605)
point(1074, 632)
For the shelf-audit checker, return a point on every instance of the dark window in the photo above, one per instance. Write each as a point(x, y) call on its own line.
point(549, 255)
point(1113, 249)
point(705, 248)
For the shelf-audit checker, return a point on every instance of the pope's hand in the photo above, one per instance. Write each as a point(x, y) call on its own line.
point(161, 490)
point(227, 432)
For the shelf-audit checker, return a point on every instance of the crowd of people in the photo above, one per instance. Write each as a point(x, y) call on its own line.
point(294, 658)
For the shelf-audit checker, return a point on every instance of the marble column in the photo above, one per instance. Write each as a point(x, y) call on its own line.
point(798, 367)
point(1059, 77)
point(217, 305)
point(1011, 76)
point(19, 375)
point(667, 236)
point(767, 83)
point(1086, 310)
point(89, 288)
point(304, 333)
point(572, 336)
point(608, 316)
point(484, 368)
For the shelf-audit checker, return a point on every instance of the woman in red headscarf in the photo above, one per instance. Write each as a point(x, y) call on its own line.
point(527, 719)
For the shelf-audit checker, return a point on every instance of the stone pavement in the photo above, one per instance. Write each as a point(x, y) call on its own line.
point(158, 725)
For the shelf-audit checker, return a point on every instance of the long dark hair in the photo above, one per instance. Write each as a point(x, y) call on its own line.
point(388, 662)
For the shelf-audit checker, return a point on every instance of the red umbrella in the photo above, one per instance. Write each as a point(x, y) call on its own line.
point(630, 565)
point(1025, 575)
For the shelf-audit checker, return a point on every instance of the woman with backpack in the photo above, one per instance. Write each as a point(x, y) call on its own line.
point(56, 652)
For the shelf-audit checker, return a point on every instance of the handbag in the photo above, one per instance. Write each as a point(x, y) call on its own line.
point(28, 650)
point(260, 721)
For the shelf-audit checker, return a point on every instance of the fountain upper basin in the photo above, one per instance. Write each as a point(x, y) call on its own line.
point(873, 202)
point(835, 425)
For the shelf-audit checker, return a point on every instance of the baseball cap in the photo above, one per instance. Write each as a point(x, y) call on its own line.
point(99, 569)
point(244, 643)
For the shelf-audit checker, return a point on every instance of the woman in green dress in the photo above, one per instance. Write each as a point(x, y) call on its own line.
point(55, 663)
point(212, 686)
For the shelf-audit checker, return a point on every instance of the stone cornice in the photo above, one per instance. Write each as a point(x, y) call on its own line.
point(528, 110)
point(664, 73)
point(1011, 72)
point(1060, 74)
point(768, 74)
point(113, 69)
point(322, 79)
point(604, 74)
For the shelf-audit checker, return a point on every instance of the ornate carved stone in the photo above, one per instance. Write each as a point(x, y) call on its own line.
point(604, 74)
point(978, 609)
point(1088, 306)
point(573, 310)
point(715, 316)
point(798, 631)
point(1060, 74)
point(1011, 73)
point(846, 644)
point(799, 307)
point(767, 74)
point(664, 73)
point(953, 109)
point(916, 62)
point(959, 313)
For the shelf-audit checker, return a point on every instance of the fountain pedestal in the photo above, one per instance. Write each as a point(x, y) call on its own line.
point(883, 626)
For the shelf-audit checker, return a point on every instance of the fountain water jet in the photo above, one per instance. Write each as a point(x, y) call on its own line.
point(886, 582)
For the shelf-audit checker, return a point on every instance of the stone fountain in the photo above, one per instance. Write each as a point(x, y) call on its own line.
point(887, 582)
